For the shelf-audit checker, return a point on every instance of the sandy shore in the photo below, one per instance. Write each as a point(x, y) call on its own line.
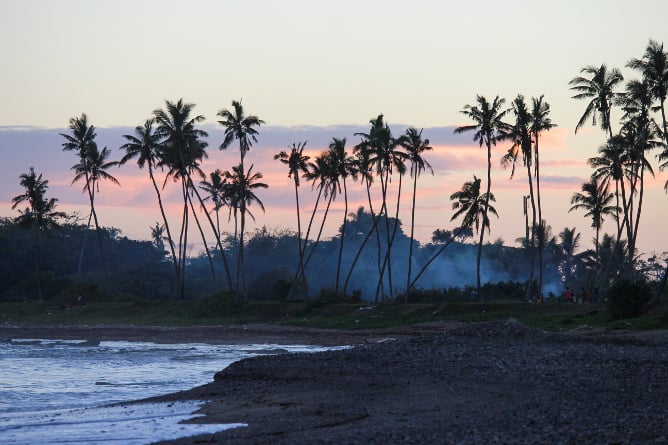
point(495, 382)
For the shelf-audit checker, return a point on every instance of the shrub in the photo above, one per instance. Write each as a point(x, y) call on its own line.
point(626, 298)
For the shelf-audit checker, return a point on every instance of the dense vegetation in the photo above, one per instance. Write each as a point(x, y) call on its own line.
point(45, 253)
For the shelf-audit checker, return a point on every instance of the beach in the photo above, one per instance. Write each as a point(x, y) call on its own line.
point(481, 383)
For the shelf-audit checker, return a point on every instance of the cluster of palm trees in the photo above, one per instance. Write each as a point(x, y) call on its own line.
point(171, 141)
point(378, 156)
point(623, 161)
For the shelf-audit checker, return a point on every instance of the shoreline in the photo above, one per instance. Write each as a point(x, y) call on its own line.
point(445, 382)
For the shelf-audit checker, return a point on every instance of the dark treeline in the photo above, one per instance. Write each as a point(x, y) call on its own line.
point(374, 256)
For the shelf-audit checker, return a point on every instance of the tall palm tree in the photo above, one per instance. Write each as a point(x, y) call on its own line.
point(415, 147)
point(81, 136)
point(489, 128)
point(297, 163)
point(240, 127)
point(40, 214)
point(342, 166)
point(240, 189)
point(182, 151)
point(596, 200)
point(145, 146)
point(386, 158)
point(598, 86)
point(92, 168)
point(521, 136)
point(540, 122)
point(215, 189)
point(654, 69)
point(569, 241)
point(475, 209)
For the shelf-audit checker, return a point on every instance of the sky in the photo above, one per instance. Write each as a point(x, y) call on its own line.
point(313, 71)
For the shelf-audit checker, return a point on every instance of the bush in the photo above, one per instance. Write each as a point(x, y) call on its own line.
point(626, 298)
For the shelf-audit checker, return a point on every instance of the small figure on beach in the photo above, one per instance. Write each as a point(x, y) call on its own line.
point(568, 295)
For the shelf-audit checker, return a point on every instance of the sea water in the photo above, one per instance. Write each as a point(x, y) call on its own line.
point(58, 391)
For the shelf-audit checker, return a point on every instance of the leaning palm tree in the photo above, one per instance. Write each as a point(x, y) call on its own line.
point(415, 146)
point(489, 128)
point(81, 136)
point(342, 167)
point(92, 168)
point(475, 209)
point(596, 200)
point(215, 189)
point(240, 188)
point(598, 86)
point(145, 146)
point(297, 163)
point(39, 215)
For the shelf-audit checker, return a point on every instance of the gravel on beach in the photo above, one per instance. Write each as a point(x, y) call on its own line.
point(479, 383)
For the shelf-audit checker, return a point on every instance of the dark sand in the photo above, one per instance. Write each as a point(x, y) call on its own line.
point(480, 383)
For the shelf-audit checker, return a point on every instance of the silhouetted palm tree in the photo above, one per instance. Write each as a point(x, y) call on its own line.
point(415, 147)
point(182, 151)
point(569, 241)
point(92, 168)
point(540, 122)
point(598, 87)
point(239, 126)
point(475, 208)
point(145, 146)
point(240, 188)
point(40, 214)
point(489, 128)
point(297, 164)
point(385, 158)
point(342, 166)
point(215, 189)
point(595, 200)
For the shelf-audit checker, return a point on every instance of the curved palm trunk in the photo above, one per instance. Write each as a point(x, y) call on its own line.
point(216, 230)
point(632, 245)
point(387, 262)
point(183, 239)
point(300, 265)
point(532, 245)
point(300, 275)
point(206, 247)
point(541, 246)
point(83, 244)
point(383, 208)
point(343, 236)
point(91, 195)
point(485, 218)
point(410, 249)
point(241, 273)
point(317, 240)
point(375, 218)
point(433, 257)
point(169, 233)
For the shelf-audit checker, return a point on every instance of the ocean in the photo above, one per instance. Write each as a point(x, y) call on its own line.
point(58, 391)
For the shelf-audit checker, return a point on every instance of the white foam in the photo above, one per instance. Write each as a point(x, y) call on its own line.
point(131, 424)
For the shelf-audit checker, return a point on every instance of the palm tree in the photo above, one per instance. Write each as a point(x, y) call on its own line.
point(521, 136)
point(239, 126)
point(595, 200)
point(40, 214)
point(81, 136)
point(240, 190)
point(540, 121)
point(475, 208)
point(92, 168)
point(489, 128)
point(182, 150)
point(415, 146)
point(598, 87)
point(383, 154)
point(569, 241)
point(297, 164)
point(145, 146)
point(654, 69)
point(215, 189)
point(342, 167)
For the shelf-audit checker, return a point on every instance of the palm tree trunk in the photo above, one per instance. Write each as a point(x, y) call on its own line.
point(410, 249)
point(532, 244)
point(383, 210)
point(169, 233)
point(541, 246)
point(434, 256)
point(317, 240)
point(343, 237)
point(206, 247)
point(91, 195)
point(300, 267)
point(240, 260)
point(300, 275)
point(183, 239)
point(387, 262)
point(485, 218)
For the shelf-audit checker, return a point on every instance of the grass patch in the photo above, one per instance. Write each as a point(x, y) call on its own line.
point(340, 315)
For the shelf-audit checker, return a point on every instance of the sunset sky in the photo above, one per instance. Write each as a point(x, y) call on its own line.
point(312, 71)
